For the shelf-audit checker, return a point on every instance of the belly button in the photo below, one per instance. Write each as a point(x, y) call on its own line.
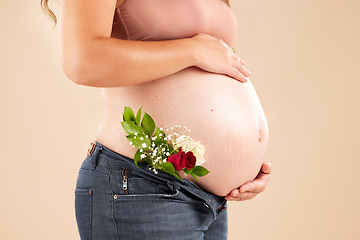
point(260, 135)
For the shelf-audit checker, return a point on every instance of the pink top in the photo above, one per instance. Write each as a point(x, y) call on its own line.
point(151, 20)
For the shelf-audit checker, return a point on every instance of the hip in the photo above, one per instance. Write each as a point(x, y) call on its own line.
point(116, 199)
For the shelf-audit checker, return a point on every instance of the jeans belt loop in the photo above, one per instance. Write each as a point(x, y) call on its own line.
point(93, 152)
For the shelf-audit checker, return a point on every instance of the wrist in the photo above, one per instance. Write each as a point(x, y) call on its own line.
point(194, 52)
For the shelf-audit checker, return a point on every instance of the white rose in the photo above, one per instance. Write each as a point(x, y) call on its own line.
point(187, 144)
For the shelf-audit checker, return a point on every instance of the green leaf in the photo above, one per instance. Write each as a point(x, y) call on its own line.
point(159, 139)
point(169, 168)
point(194, 176)
point(138, 117)
point(170, 147)
point(188, 171)
point(199, 171)
point(178, 176)
point(148, 125)
point(130, 127)
point(128, 114)
point(137, 142)
point(137, 157)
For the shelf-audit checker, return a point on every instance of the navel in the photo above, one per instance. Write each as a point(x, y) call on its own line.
point(260, 135)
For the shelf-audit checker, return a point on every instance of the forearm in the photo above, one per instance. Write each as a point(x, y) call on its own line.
point(111, 62)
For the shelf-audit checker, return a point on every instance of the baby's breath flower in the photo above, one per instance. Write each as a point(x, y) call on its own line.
point(165, 138)
point(135, 133)
point(134, 137)
point(167, 129)
point(161, 129)
point(130, 143)
point(160, 134)
point(147, 136)
point(167, 153)
point(140, 150)
point(142, 156)
point(141, 138)
point(143, 145)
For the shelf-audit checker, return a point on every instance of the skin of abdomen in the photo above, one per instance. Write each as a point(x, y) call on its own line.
point(221, 112)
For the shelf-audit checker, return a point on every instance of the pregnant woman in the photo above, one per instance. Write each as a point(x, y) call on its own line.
point(174, 58)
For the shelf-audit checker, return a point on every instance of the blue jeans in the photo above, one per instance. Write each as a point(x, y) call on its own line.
point(115, 199)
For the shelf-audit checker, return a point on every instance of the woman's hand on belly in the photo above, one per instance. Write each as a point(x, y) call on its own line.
point(214, 55)
point(251, 189)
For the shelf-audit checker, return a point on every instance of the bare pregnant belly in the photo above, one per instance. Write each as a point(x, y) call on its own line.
point(222, 113)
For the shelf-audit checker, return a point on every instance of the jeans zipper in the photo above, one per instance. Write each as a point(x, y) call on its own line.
point(125, 178)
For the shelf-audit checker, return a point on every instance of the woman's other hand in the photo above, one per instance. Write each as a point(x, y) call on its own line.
point(251, 189)
point(214, 55)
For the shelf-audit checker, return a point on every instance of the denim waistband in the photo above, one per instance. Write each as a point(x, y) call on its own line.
point(212, 201)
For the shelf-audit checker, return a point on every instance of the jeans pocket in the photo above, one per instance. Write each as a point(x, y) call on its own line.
point(129, 184)
point(83, 212)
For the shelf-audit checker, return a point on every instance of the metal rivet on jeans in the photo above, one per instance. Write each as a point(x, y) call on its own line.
point(115, 196)
point(206, 205)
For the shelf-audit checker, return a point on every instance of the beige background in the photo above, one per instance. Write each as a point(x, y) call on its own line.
point(303, 56)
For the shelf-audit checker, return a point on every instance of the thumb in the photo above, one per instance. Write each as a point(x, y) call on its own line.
point(266, 168)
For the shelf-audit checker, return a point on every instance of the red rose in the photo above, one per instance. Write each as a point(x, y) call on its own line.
point(190, 160)
point(177, 160)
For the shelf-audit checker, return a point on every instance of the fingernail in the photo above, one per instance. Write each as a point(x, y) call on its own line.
point(248, 72)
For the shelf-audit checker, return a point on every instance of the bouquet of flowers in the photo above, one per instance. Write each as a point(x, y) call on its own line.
point(168, 153)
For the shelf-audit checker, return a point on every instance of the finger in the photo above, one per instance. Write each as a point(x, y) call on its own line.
point(266, 167)
point(247, 188)
point(231, 51)
point(242, 69)
point(229, 198)
point(244, 196)
point(234, 192)
point(239, 59)
point(237, 63)
point(235, 73)
point(258, 185)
